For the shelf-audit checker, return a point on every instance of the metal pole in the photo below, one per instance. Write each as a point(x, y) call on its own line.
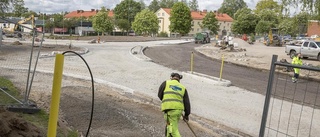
point(222, 60)
point(55, 99)
point(29, 70)
point(268, 96)
point(191, 63)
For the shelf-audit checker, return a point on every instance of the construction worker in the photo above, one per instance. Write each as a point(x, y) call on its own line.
point(296, 61)
point(175, 100)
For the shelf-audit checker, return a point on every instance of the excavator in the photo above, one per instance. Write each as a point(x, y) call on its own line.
point(273, 38)
point(12, 32)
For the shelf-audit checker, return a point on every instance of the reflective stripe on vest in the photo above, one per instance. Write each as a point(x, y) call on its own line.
point(173, 95)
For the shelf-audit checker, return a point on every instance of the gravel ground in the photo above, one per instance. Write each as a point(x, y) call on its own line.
point(118, 112)
point(113, 66)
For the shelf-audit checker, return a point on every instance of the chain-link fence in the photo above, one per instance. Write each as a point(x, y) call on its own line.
point(291, 108)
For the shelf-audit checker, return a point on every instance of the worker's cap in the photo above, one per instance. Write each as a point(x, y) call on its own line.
point(177, 75)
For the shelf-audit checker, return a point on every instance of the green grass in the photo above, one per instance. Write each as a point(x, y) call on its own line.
point(9, 88)
point(39, 119)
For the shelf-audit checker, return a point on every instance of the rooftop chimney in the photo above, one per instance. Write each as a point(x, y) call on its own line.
point(92, 10)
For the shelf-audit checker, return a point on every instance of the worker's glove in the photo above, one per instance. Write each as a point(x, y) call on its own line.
point(186, 118)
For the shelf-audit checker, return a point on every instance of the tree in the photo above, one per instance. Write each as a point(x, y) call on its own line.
point(18, 8)
point(102, 22)
point(210, 22)
point(193, 5)
point(145, 23)
point(143, 5)
point(245, 21)
point(288, 26)
point(230, 7)
point(4, 6)
point(301, 22)
point(127, 9)
point(123, 24)
point(180, 19)
point(167, 3)
point(267, 5)
point(154, 5)
point(29, 13)
point(270, 16)
point(184, 1)
point(263, 27)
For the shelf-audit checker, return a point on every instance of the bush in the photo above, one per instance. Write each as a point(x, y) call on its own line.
point(163, 34)
point(252, 37)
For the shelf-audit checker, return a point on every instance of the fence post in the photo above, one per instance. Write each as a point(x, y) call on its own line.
point(268, 96)
point(222, 60)
point(0, 37)
point(191, 63)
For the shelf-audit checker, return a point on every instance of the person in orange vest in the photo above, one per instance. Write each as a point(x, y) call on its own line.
point(175, 100)
point(99, 39)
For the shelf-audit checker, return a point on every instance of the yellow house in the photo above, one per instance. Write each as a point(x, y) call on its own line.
point(224, 21)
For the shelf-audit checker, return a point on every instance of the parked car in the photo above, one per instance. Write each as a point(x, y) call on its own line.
point(307, 48)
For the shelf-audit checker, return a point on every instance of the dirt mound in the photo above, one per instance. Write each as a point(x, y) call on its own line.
point(14, 126)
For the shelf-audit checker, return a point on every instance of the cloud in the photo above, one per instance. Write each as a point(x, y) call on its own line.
point(58, 6)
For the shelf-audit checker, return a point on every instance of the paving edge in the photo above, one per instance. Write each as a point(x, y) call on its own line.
point(208, 79)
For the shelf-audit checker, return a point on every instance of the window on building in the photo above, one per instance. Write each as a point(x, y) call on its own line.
point(159, 21)
point(224, 22)
point(224, 27)
point(220, 24)
point(198, 29)
point(162, 14)
point(192, 29)
point(158, 14)
point(192, 23)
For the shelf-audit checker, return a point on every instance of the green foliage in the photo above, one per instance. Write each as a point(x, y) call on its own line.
point(245, 22)
point(4, 6)
point(18, 8)
point(12, 90)
point(252, 37)
point(288, 26)
point(101, 22)
point(29, 13)
point(267, 5)
point(230, 7)
point(193, 5)
point(180, 19)
point(127, 9)
point(145, 23)
point(123, 24)
point(154, 5)
point(263, 27)
point(210, 22)
point(301, 21)
point(167, 3)
point(163, 34)
point(143, 5)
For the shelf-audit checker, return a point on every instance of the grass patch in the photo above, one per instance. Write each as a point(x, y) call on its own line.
point(39, 119)
point(8, 87)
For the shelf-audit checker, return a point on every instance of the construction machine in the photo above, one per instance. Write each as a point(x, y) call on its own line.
point(14, 32)
point(273, 38)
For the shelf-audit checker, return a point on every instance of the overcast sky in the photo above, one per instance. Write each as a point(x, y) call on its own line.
point(57, 6)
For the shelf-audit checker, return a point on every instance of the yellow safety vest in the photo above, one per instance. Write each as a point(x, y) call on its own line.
point(296, 61)
point(173, 95)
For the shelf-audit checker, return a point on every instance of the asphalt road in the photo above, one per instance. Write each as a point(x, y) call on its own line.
point(178, 57)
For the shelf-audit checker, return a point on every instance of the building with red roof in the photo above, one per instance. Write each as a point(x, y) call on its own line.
point(224, 21)
point(86, 14)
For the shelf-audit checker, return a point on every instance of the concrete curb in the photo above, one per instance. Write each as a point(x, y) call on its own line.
point(53, 53)
point(208, 79)
point(138, 52)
